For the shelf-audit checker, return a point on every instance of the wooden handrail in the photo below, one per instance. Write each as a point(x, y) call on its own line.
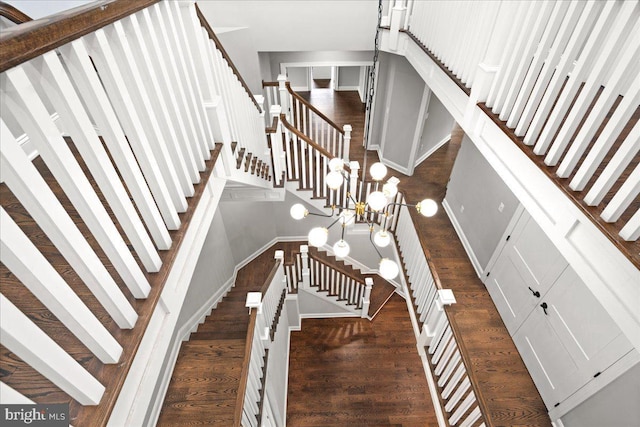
point(25, 42)
point(308, 140)
point(225, 55)
point(337, 268)
point(269, 84)
point(312, 108)
point(248, 346)
point(274, 126)
point(13, 14)
point(244, 373)
point(464, 355)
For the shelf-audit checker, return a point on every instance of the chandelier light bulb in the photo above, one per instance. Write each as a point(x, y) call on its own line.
point(427, 207)
point(341, 248)
point(378, 171)
point(298, 211)
point(347, 217)
point(376, 200)
point(382, 239)
point(336, 164)
point(388, 269)
point(334, 180)
point(318, 236)
point(390, 190)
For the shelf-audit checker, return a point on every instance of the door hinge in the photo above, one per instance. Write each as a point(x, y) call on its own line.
point(556, 405)
point(508, 237)
point(488, 274)
point(597, 375)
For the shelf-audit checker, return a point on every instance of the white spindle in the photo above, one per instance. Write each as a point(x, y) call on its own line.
point(596, 63)
point(463, 408)
point(454, 361)
point(21, 336)
point(114, 81)
point(459, 374)
point(30, 112)
point(81, 69)
point(24, 260)
point(612, 130)
point(631, 231)
point(458, 394)
point(623, 198)
point(473, 417)
point(62, 95)
point(557, 13)
point(629, 67)
point(143, 96)
point(29, 187)
point(9, 396)
point(550, 68)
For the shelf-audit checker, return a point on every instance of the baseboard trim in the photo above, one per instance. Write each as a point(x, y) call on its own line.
point(463, 238)
point(326, 315)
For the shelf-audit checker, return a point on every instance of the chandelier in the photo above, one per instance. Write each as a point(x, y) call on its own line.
point(377, 202)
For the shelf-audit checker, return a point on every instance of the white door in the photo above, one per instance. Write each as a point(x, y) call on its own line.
point(568, 339)
point(528, 265)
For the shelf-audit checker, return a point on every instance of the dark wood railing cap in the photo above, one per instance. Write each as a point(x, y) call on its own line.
point(312, 108)
point(13, 14)
point(34, 38)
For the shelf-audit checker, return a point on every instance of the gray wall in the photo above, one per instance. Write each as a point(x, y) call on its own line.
point(214, 268)
point(299, 78)
point(404, 97)
point(348, 78)
point(616, 405)
point(437, 126)
point(274, 59)
point(321, 72)
point(237, 44)
point(476, 186)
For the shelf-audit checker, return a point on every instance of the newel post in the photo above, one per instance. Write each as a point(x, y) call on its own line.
point(277, 145)
point(366, 300)
point(397, 21)
point(306, 271)
point(280, 257)
point(284, 94)
point(437, 319)
point(346, 142)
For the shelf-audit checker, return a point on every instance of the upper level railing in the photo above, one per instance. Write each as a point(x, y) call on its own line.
point(12, 14)
point(109, 120)
point(561, 79)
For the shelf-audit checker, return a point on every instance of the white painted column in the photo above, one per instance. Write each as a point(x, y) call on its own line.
point(366, 301)
point(347, 142)
point(306, 271)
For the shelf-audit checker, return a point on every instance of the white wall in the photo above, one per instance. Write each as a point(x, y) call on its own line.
point(37, 9)
point(348, 78)
point(306, 58)
point(299, 78)
point(321, 72)
point(616, 405)
point(474, 194)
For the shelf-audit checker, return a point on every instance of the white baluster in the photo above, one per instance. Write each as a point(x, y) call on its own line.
point(457, 396)
point(85, 78)
point(35, 195)
point(455, 379)
point(623, 198)
point(114, 81)
point(21, 336)
point(63, 97)
point(34, 271)
point(472, 418)
point(631, 231)
point(161, 30)
point(30, 112)
point(9, 396)
point(463, 408)
point(595, 66)
point(615, 86)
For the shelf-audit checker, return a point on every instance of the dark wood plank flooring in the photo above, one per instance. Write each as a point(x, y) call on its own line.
point(511, 397)
point(356, 372)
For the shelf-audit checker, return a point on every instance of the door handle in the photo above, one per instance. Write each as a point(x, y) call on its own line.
point(544, 307)
point(535, 293)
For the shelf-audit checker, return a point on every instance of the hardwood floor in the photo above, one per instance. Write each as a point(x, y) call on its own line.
point(358, 372)
point(509, 392)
